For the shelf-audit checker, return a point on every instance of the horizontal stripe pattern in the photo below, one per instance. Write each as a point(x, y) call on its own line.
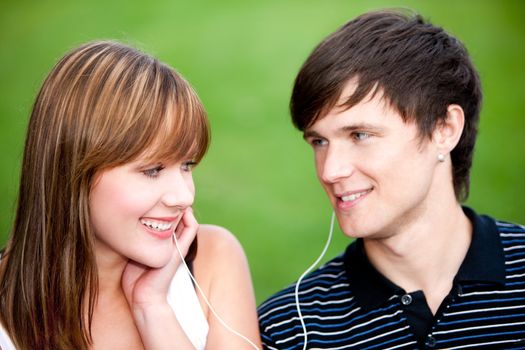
point(481, 316)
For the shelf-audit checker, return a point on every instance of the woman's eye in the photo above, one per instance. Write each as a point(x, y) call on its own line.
point(153, 172)
point(189, 165)
point(360, 136)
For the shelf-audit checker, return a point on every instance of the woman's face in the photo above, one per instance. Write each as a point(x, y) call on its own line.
point(135, 209)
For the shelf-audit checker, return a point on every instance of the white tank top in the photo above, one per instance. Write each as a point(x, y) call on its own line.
point(184, 302)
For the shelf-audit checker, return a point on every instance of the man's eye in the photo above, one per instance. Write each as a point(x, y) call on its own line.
point(153, 172)
point(360, 136)
point(318, 142)
point(189, 165)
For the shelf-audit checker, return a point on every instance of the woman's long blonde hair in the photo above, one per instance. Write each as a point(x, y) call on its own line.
point(104, 104)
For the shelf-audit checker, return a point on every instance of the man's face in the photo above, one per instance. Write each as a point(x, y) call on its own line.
point(378, 173)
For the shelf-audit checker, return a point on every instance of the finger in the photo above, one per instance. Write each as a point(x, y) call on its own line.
point(186, 231)
point(188, 220)
point(131, 274)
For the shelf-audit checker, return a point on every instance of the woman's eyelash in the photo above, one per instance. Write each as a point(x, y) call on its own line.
point(189, 165)
point(153, 172)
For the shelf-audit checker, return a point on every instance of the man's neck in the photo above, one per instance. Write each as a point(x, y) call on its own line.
point(426, 254)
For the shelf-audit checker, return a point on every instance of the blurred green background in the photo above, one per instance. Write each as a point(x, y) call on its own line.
point(258, 178)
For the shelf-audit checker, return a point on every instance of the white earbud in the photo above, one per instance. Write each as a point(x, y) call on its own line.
point(297, 304)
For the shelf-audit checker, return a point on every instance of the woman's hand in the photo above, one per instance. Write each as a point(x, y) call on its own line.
point(146, 291)
point(145, 286)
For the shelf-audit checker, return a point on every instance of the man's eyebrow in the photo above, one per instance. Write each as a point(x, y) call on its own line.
point(345, 129)
point(360, 126)
point(310, 133)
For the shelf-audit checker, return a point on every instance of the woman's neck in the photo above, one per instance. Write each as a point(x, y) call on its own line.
point(110, 267)
point(113, 325)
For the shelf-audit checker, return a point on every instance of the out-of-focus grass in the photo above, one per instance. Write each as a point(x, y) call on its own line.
point(258, 178)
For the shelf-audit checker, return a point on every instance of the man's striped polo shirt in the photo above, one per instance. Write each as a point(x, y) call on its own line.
point(347, 304)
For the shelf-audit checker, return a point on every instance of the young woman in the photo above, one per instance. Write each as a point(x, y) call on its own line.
point(94, 260)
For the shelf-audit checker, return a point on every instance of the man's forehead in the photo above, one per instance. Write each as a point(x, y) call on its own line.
point(344, 116)
point(371, 115)
point(348, 90)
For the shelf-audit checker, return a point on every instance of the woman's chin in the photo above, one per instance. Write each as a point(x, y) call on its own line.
point(153, 262)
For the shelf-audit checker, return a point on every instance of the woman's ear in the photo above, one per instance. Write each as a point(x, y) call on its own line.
point(447, 133)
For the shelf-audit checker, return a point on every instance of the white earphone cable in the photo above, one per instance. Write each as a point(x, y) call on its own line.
point(206, 299)
point(297, 304)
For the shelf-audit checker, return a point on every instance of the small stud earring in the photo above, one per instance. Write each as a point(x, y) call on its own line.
point(441, 157)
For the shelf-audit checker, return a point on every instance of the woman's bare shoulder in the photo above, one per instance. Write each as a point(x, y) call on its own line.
point(222, 267)
point(217, 245)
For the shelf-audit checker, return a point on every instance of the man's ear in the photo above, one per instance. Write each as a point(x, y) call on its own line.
point(447, 133)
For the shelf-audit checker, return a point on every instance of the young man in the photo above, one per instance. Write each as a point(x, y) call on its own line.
point(390, 105)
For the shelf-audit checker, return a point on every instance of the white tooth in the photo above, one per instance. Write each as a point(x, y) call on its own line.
point(352, 197)
point(158, 226)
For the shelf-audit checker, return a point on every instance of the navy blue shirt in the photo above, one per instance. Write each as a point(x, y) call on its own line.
point(348, 304)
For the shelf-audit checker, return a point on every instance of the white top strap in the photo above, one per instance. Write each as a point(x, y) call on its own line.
point(183, 299)
point(5, 341)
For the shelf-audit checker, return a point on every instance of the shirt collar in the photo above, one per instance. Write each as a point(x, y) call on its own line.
point(484, 262)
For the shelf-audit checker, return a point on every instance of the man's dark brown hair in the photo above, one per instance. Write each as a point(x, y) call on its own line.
point(419, 68)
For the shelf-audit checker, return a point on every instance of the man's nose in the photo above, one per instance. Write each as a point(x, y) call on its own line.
point(336, 165)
